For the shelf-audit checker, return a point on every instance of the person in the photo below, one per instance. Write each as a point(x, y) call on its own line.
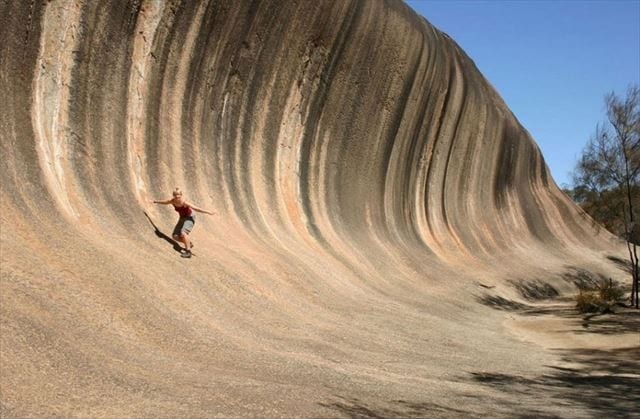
point(185, 222)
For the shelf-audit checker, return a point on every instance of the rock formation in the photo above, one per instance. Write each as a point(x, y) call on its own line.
point(373, 196)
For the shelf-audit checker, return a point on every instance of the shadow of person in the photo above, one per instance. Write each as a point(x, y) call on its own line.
point(160, 234)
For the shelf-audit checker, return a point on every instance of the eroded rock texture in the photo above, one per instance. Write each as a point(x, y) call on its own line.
point(373, 194)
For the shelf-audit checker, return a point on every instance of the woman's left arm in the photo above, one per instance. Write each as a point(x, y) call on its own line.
point(193, 207)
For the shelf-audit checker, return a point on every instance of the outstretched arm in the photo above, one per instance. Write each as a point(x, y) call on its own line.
point(163, 202)
point(193, 207)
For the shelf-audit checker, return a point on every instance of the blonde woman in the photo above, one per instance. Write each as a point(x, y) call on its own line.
point(185, 222)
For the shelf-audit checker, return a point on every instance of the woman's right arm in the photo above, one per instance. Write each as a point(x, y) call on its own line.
point(165, 202)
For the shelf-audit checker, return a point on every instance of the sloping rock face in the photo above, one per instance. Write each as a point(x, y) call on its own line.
point(372, 196)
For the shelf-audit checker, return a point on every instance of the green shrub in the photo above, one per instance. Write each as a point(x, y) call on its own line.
point(610, 291)
point(588, 302)
point(600, 298)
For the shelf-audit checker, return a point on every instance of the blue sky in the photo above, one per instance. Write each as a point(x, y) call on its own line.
point(551, 61)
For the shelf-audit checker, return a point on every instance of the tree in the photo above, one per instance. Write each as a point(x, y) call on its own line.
point(606, 180)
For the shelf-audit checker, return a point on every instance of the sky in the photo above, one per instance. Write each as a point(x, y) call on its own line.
point(551, 61)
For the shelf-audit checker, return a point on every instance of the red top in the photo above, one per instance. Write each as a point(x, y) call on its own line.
point(184, 211)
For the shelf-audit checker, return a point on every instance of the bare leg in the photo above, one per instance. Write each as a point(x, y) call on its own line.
point(184, 238)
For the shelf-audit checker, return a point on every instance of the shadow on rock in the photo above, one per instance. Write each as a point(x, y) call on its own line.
point(160, 234)
point(603, 382)
point(582, 278)
point(538, 290)
point(625, 321)
point(535, 290)
point(500, 303)
point(354, 408)
point(623, 264)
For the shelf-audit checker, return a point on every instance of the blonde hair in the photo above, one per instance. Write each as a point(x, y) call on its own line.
point(177, 191)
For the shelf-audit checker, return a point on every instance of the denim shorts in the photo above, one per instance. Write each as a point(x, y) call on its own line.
point(185, 225)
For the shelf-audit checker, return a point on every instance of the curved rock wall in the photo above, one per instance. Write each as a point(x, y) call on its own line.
point(364, 177)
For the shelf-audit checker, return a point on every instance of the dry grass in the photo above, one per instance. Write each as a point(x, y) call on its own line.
point(600, 298)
